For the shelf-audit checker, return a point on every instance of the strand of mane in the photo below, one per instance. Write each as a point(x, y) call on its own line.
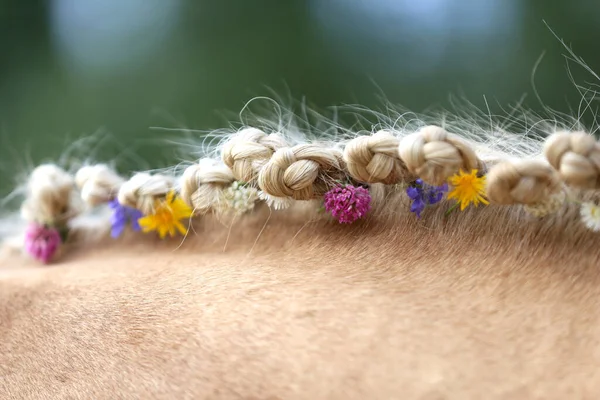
point(486, 303)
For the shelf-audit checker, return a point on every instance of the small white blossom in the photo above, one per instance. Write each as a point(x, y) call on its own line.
point(237, 198)
point(590, 215)
point(278, 203)
point(546, 207)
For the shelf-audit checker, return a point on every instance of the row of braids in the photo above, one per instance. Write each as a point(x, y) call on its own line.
point(572, 161)
point(308, 171)
point(255, 165)
point(433, 155)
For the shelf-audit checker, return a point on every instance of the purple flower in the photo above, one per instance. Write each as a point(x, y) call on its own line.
point(42, 242)
point(347, 203)
point(423, 195)
point(121, 215)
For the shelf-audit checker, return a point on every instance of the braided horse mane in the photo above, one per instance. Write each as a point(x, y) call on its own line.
point(265, 295)
point(538, 171)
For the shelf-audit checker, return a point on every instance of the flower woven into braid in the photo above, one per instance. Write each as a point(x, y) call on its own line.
point(166, 216)
point(430, 166)
point(348, 203)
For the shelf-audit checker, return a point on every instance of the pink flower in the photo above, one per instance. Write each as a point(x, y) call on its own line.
point(42, 242)
point(348, 203)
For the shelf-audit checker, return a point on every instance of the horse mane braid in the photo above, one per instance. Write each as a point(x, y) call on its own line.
point(540, 167)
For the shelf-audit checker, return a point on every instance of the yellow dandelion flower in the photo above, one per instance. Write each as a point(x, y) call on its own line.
point(467, 189)
point(167, 216)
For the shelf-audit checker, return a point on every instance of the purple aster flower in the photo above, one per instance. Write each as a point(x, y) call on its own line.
point(423, 195)
point(42, 242)
point(121, 215)
point(347, 203)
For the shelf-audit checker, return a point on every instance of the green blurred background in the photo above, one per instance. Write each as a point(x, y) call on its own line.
point(116, 68)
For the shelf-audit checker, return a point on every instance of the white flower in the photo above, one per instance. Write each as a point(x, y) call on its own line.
point(546, 207)
point(278, 203)
point(590, 215)
point(237, 198)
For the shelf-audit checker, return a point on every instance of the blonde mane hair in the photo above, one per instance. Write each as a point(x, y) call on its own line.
point(535, 164)
point(265, 296)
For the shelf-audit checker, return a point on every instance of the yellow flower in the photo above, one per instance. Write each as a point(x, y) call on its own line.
point(167, 216)
point(468, 188)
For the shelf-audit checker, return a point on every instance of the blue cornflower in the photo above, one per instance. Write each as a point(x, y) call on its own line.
point(423, 195)
point(121, 215)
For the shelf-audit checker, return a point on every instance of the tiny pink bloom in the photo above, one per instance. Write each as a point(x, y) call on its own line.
point(347, 203)
point(42, 242)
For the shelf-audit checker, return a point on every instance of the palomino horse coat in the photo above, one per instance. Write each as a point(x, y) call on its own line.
point(487, 303)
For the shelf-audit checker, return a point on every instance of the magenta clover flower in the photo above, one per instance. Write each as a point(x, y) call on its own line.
point(121, 215)
point(42, 242)
point(423, 195)
point(347, 203)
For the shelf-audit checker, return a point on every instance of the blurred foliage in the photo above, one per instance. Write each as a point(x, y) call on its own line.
point(116, 68)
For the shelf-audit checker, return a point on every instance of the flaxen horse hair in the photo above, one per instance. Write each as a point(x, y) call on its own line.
point(490, 302)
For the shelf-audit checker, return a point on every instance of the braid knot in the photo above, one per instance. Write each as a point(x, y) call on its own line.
point(375, 159)
point(302, 172)
point(247, 151)
point(576, 157)
point(203, 183)
point(434, 155)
